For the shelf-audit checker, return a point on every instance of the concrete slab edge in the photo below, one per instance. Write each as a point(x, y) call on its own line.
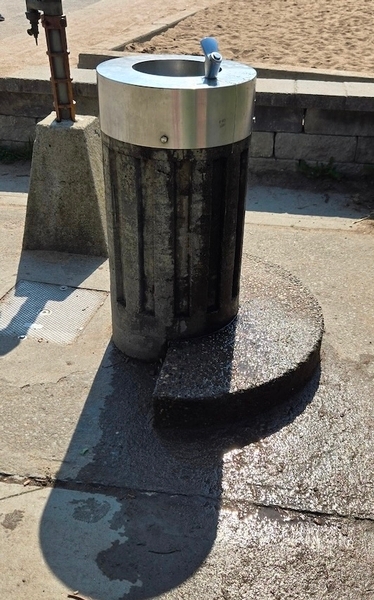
point(156, 31)
point(207, 412)
point(250, 366)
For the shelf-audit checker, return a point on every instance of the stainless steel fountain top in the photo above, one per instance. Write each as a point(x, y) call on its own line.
point(176, 101)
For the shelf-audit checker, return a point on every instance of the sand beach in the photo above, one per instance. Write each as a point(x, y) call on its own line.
point(295, 33)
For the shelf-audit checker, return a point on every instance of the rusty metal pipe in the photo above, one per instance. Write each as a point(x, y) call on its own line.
point(54, 23)
point(55, 30)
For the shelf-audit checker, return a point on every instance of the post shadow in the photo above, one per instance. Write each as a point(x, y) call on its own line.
point(141, 517)
point(296, 194)
point(60, 273)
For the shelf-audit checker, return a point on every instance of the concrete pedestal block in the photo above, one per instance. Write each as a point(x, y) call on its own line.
point(66, 201)
point(262, 358)
point(175, 228)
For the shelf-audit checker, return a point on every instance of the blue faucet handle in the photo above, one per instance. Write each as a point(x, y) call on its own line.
point(213, 58)
point(209, 45)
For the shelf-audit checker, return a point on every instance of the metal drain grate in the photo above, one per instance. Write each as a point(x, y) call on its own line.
point(49, 312)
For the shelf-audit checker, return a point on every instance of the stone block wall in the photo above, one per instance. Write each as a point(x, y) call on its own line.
point(296, 119)
point(26, 99)
point(314, 122)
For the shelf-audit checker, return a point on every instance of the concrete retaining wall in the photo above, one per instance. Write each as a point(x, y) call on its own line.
point(296, 119)
point(313, 121)
point(26, 99)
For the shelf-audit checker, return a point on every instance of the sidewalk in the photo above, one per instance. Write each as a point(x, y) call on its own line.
point(92, 26)
point(95, 503)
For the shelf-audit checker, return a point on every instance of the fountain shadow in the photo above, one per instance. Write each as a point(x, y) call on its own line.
point(141, 516)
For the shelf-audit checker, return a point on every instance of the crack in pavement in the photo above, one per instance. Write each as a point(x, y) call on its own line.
point(35, 489)
point(304, 512)
point(130, 493)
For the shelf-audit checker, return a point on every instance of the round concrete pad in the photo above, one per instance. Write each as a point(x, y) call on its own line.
point(265, 355)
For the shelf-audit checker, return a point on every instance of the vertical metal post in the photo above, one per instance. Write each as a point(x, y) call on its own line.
point(62, 88)
point(54, 23)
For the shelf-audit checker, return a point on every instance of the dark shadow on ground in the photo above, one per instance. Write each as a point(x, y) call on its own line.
point(42, 277)
point(324, 196)
point(15, 177)
point(142, 516)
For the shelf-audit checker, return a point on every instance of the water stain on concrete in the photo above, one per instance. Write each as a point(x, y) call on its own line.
point(13, 519)
point(121, 562)
point(90, 510)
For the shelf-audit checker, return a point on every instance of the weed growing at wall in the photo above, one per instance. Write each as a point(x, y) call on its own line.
point(15, 154)
point(320, 170)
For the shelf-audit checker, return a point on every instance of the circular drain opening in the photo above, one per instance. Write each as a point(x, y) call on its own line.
point(33, 326)
point(49, 313)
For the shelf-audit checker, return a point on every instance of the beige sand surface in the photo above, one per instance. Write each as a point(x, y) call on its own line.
point(102, 26)
point(325, 34)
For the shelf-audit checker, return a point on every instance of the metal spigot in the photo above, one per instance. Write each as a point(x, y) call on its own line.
point(34, 18)
point(213, 58)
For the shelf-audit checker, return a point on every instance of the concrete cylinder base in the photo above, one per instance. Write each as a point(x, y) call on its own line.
point(66, 205)
point(175, 232)
point(262, 358)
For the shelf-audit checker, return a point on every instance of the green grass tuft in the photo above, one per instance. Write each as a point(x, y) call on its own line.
point(320, 170)
point(16, 154)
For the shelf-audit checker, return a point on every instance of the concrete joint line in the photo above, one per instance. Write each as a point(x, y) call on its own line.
point(306, 513)
point(94, 488)
point(20, 493)
point(42, 383)
point(97, 488)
